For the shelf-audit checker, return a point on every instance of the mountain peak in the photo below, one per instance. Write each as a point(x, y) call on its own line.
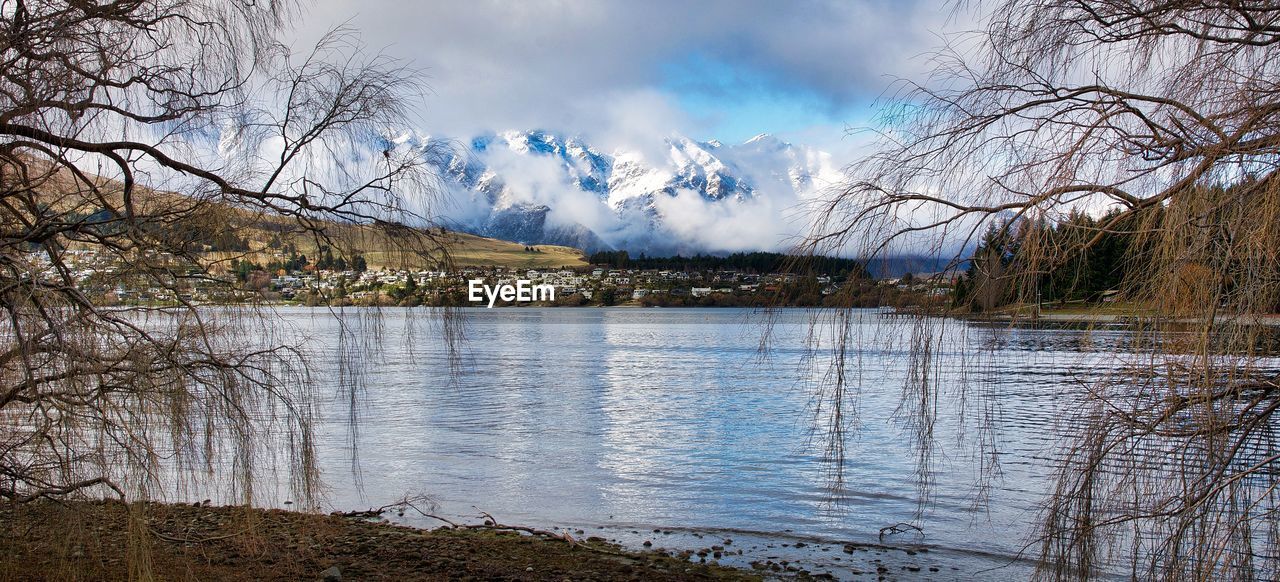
point(767, 140)
point(543, 203)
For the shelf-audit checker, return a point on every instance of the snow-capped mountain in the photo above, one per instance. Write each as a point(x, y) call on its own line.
point(539, 187)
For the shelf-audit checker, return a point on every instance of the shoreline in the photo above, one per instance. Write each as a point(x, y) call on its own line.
point(1267, 320)
point(58, 540)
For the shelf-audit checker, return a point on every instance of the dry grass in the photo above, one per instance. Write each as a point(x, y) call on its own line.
point(474, 250)
point(464, 250)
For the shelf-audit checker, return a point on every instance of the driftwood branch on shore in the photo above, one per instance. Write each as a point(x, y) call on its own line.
point(490, 522)
point(193, 541)
point(415, 502)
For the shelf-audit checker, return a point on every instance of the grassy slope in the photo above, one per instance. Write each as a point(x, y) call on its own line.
point(258, 229)
point(464, 250)
point(470, 250)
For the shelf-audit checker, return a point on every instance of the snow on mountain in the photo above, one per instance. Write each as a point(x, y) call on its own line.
point(540, 187)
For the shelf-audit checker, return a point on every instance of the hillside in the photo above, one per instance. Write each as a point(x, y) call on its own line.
point(261, 240)
point(222, 233)
point(471, 250)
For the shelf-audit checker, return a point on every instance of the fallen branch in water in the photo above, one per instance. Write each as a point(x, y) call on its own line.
point(491, 523)
point(405, 503)
point(899, 528)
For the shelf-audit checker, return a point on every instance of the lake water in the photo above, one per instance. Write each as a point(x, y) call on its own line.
point(617, 422)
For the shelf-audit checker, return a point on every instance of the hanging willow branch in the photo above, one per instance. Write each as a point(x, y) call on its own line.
point(1161, 120)
point(135, 137)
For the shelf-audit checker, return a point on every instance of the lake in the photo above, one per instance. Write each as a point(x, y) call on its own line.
point(619, 422)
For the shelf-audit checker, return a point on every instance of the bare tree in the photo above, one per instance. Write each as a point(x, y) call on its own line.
point(1166, 113)
point(133, 136)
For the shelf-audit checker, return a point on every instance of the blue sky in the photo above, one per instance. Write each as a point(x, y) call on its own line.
point(736, 101)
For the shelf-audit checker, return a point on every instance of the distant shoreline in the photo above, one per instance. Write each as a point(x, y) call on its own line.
point(1080, 317)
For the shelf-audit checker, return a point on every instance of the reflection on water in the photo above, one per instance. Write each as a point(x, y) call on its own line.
point(631, 420)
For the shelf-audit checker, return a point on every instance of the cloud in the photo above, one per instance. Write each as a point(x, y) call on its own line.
point(751, 225)
point(569, 65)
point(774, 218)
point(542, 180)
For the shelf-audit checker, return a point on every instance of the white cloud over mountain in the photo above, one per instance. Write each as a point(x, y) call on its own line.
point(541, 187)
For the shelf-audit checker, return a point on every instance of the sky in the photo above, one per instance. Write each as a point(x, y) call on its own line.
point(622, 72)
